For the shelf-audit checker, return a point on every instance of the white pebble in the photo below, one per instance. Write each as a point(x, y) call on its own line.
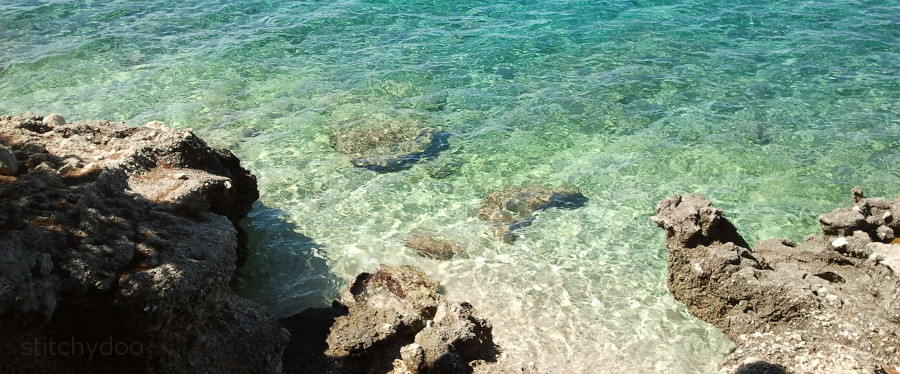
point(839, 242)
point(54, 120)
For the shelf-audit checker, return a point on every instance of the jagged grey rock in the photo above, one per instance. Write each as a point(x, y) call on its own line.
point(9, 165)
point(393, 321)
point(827, 304)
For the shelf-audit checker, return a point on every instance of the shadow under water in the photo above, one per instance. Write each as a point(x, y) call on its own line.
point(286, 271)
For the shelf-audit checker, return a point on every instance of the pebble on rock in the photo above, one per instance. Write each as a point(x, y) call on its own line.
point(885, 234)
point(54, 120)
point(839, 242)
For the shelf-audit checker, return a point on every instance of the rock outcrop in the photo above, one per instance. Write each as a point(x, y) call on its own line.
point(826, 305)
point(392, 321)
point(513, 207)
point(387, 144)
point(123, 237)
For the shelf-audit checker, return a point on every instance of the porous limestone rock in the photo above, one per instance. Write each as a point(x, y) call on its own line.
point(393, 321)
point(826, 305)
point(99, 241)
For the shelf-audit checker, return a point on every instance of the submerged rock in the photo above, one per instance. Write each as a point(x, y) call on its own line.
point(100, 241)
point(435, 102)
point(827, 305)
point(440, 249)
point(387, 145)
point(442, 170)
point(393, 321)
point(513, 207)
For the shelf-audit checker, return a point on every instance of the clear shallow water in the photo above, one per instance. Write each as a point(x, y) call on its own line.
point(772, 109)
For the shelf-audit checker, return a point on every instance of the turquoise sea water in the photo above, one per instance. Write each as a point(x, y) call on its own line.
point(773, 109)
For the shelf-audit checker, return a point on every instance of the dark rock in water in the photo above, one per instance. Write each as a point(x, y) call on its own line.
point(388, 146)
point(124, 233)
point(511, 208)
point(439, 143)
point(392, 321)
point(517, 202)
point(249, 132)
point(759, 134)
point(827, 305)
point(443, 169)
point(435, 103)
point(507, 73)
point(440, 249)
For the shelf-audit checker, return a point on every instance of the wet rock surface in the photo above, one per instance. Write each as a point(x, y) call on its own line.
point(110, 233)
point(826, 305)
point(392, 321)
point(387, 145)
point(513, 207)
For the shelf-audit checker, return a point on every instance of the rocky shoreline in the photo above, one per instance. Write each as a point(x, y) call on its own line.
point(118, 244)
point(117, 247)
point(826, 305)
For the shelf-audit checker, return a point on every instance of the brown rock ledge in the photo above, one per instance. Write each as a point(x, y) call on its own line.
point(117, 245)
point(826, 305)
point(393, 321)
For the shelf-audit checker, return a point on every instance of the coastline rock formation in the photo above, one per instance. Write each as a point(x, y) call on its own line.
point(513, 207)
point(393, 321)
point(123, 237)
point(386, 145)
point(826, 305)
